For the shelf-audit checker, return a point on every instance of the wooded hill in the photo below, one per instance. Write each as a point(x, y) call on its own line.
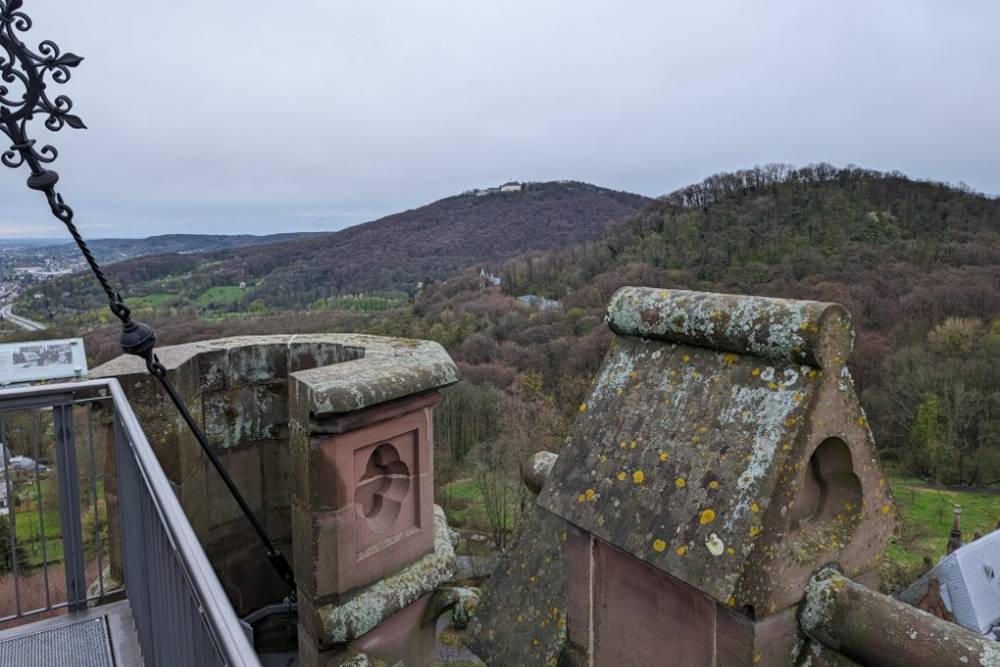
point(392, 254)
point(917, 263)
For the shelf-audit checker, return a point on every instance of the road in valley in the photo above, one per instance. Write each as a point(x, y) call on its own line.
point(23, 322)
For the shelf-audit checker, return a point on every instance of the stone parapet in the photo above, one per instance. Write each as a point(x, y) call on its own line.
point(261, 399)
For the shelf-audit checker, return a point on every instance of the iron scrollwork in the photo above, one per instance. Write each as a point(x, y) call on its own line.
point(28, 74)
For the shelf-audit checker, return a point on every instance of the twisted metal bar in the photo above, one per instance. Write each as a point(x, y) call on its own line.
point(26, 69)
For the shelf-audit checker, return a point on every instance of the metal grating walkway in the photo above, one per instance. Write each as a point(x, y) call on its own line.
point(82, 644)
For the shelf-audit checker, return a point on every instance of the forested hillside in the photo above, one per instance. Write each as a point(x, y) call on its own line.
point(917, 263)
point(389, 256)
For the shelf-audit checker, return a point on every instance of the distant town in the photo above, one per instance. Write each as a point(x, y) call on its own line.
point(26, 264)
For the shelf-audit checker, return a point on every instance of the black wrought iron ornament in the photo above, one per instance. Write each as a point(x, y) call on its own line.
point(25, 77)
point(28, 73)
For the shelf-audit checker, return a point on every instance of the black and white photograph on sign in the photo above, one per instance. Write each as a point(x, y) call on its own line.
point(43, 355)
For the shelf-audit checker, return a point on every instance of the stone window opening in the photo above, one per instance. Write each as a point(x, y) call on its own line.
point(831, 492)
point(382, 488)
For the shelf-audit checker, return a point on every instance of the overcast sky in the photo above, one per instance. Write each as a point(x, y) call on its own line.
point(243, 116)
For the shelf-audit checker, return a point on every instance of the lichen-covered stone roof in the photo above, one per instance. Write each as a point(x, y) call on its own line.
point(522, 617)
point(695, 438)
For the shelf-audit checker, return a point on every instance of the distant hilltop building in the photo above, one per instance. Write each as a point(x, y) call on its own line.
point(488, 278)
point(509, 186)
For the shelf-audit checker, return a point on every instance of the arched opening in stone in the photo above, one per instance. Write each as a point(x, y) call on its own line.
point(831, 494)
point(382, 488)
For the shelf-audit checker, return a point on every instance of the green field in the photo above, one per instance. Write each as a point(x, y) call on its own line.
point(155, 300)
point(223, 295)
point(462, 501)
point(926, 518)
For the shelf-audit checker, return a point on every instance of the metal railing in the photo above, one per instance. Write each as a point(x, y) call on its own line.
point(182, 615)
point(44, 563)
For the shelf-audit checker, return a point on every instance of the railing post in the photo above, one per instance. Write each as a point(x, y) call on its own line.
point(69, 505)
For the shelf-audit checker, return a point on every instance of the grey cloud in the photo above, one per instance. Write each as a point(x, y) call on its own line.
point(253, 116)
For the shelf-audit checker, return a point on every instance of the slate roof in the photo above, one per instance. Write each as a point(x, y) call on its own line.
point(970, 585)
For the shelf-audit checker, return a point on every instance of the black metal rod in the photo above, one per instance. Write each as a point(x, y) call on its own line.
point(277, 559)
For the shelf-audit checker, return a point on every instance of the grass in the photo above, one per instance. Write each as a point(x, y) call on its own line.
point(926, 518)
point(465, 506)
point(155, 300)
point(222, 295)
point(28, 522)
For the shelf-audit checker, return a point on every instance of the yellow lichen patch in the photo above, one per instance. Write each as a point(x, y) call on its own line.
point(581, 498)
point(638, 477)
point(589, 494)
point(681, 550)
point(621, 476)
point(813, 373)
point(772, 385)
point(664, 456)
point(633, 444)
point(623, 444)
point(583, 407)
point(862, 421)
point(695, 440)
point(754, 531)
point(798, 398)
point(886, 509)
point(805, 325)
point(707, 516)
point(755, 372)
point(754, 507)
point(680, 482)
point(758, 657)
point(686, 358)
point(633, 375)
point(659, 545)
point(731, 358)
point(730, 551)
point(731, 602)
point(620, 392)
point(713, 485)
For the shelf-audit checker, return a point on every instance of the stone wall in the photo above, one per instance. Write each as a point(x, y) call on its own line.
point(245, 392)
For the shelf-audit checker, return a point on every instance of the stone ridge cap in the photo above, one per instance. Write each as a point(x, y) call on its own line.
point(175, 356)
point(369, 606)
point(388, 374)
point(815, 333)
